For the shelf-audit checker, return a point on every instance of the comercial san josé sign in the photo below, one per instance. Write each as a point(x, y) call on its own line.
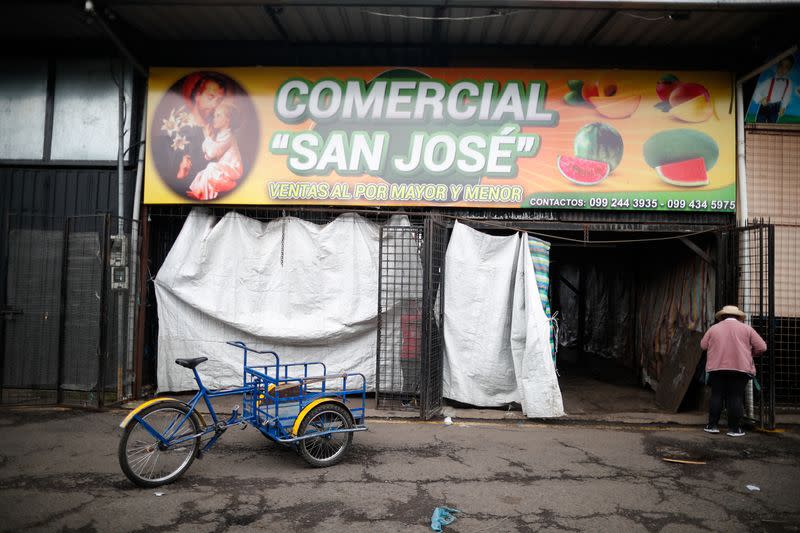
point(495, 138)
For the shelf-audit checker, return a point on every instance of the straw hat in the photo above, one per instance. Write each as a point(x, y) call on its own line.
point(730, 310)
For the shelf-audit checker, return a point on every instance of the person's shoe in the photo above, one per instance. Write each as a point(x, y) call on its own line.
point(711, 429)
point(736, 433)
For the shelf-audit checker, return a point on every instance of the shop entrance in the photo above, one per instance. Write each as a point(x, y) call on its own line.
point(632, 312)
point(631, 309)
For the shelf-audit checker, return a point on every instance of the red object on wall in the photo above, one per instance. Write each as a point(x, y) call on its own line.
point(411, 328)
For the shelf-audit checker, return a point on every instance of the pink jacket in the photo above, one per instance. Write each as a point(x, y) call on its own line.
point(731, 345)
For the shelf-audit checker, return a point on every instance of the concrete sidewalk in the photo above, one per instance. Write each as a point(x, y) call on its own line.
point(693, 418)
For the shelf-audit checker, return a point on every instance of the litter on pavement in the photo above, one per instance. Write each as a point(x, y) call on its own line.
point(442, 516)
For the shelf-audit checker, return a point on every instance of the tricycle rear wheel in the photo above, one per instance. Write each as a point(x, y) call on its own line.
point(325, 450)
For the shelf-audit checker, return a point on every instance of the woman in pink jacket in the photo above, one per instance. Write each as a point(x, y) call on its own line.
point(731, 345)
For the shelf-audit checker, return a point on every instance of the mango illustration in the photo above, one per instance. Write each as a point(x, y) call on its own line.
point(620, 106)
point(599, 88)
point(698, 109)
point(687, 91)
point(665, 86)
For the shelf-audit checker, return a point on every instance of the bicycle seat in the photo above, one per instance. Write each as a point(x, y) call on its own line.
point(191, 363)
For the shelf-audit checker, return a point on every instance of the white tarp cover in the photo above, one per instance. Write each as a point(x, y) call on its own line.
point(306, 291)
point(496, 334)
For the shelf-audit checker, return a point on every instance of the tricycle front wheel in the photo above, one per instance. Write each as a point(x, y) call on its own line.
point(325, 450)
point(149, 464)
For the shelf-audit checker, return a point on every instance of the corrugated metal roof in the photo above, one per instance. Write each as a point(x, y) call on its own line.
point(657, 29)
point(324, 23)
point(199, 23)
point(464, 26)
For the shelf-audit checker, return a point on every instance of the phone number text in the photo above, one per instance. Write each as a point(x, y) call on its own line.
point(634, 203)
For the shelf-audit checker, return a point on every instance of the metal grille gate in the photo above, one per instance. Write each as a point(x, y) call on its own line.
point(752, 285)
point(64, 329)
point(410, 314)
point(435, 247)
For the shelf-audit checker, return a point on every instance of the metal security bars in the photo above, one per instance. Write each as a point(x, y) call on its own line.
point(755, 294)
point(787, 320)
point(410, 314)
point(65, 332)
point(435, 248)
point(400, 314)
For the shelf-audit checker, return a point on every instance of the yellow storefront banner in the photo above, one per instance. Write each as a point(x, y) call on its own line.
point(499, 138)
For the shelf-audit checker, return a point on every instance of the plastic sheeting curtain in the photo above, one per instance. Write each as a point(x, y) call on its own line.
point(306, 291)
point(540, 254)
point(496, 333)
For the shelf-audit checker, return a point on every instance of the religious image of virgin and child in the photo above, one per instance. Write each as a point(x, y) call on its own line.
point(202, 144)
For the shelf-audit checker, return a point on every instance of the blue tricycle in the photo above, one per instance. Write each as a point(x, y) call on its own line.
point(296, 404)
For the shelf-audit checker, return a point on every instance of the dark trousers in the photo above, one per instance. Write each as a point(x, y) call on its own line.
point(768, 113)
point(729, 386)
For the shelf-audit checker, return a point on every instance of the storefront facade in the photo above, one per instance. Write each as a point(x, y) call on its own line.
point(593, 127)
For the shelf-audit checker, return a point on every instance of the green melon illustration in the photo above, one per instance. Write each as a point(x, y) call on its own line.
point(599, 142)
point(683, 144)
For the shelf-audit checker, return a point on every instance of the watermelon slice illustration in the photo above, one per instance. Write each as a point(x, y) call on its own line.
point(689, 173)
point(583, 171)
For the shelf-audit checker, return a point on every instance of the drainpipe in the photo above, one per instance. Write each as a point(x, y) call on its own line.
point(741, 171)
point(120, 297)
point(122, 388)
point(742, 216)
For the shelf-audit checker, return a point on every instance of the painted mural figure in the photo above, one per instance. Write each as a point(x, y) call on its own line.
point(775, 93)
point(203, 94)
point(222, 151)
point(204, 135)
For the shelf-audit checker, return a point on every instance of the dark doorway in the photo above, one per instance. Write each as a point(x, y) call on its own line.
point(630, 307)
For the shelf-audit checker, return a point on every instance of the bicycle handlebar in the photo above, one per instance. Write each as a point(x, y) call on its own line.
point(243, 346)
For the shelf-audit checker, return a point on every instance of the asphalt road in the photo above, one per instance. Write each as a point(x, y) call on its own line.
point(59, 472)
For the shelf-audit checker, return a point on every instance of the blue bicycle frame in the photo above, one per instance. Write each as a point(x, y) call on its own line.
point(259, 391)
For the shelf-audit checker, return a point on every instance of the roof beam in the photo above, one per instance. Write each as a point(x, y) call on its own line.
point(233, 53)
point(272, 13)
point(436, 34)
point(699, 251)
point(600, 26)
